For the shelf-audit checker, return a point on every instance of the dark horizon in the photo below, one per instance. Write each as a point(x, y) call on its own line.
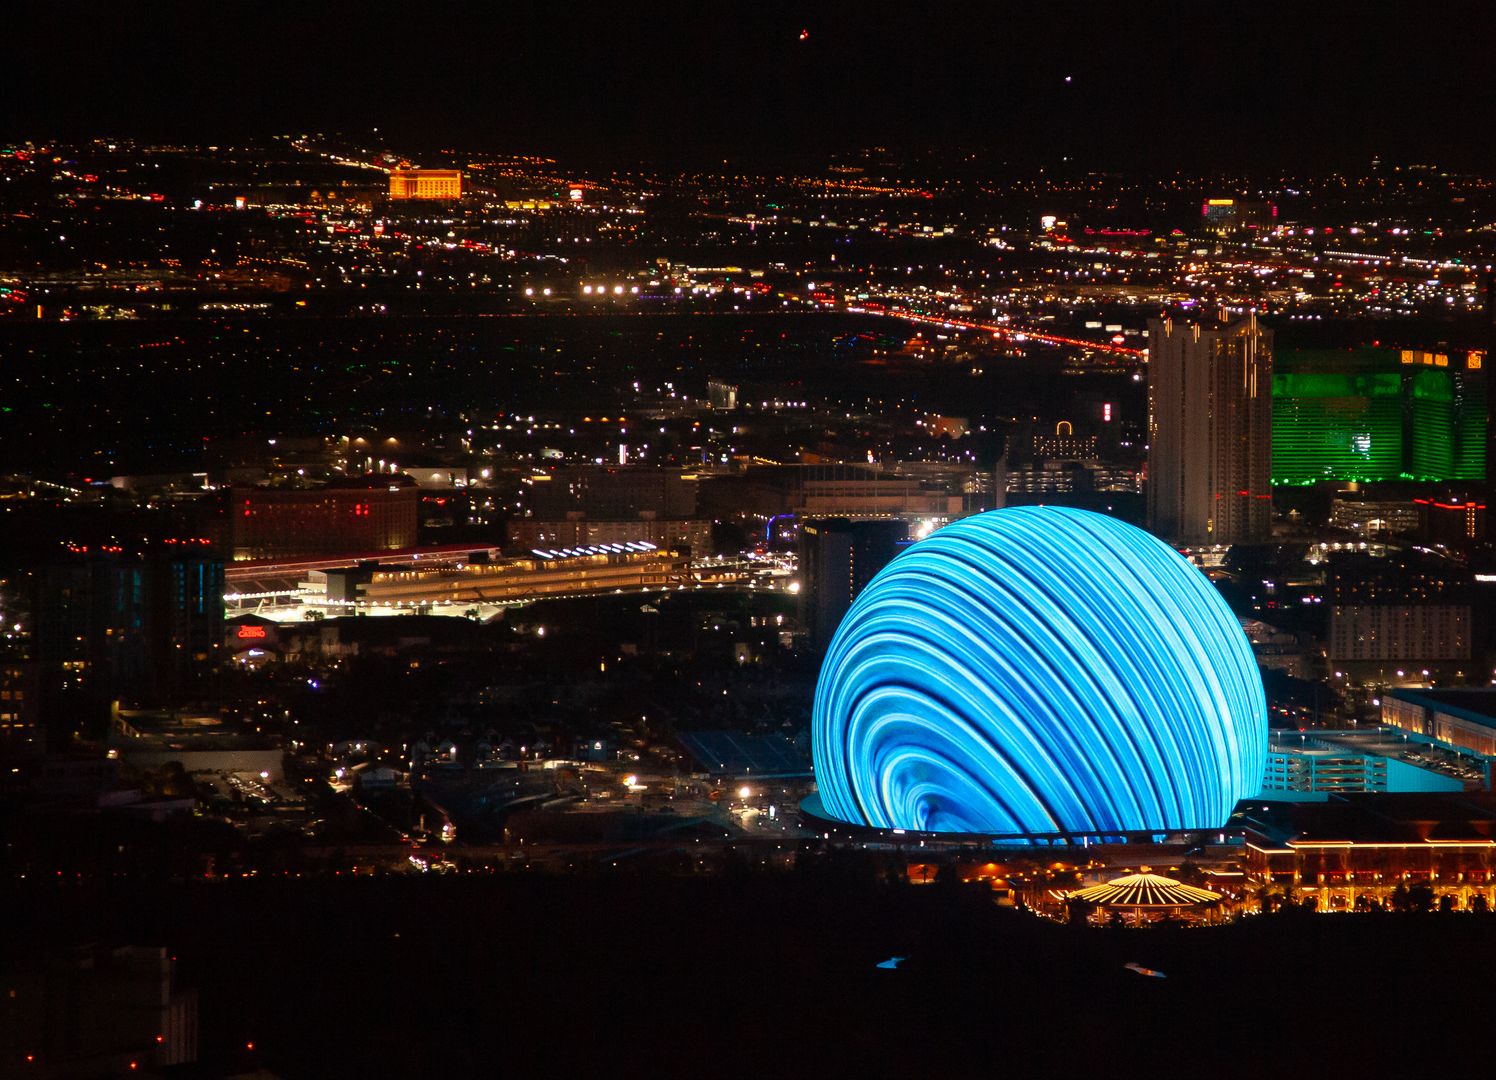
point(1156, 87)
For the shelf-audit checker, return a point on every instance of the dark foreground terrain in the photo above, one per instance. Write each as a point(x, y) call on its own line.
point(504, 976)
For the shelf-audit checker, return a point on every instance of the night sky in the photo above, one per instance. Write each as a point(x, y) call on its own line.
point(1151, 85)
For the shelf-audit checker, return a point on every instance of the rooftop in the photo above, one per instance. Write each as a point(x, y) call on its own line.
point(1145, 890)
point(1413, 818)
point(1395, 744)
point(1476, 704)
point(731, 753)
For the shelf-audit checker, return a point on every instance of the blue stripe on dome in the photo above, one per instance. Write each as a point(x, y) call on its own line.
point(1039, 669)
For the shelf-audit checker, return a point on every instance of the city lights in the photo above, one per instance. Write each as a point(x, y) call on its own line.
point(925, 542)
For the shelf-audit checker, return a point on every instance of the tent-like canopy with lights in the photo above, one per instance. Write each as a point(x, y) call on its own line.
point(1146, 894)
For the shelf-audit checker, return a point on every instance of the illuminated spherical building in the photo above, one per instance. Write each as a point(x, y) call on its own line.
point(1039, 670)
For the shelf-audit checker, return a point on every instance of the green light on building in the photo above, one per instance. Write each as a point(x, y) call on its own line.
point(1432, 420)
point(1336, 426)
point(1447, 418)
point(1365, 416)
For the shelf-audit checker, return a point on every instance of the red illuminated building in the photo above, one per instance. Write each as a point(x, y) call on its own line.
point(362, 516)
point(1456, 522)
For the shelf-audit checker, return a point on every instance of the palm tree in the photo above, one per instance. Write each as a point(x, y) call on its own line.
point(1191, 873)
point(1268, 895)
point(1078, 911)
point(1398, 901)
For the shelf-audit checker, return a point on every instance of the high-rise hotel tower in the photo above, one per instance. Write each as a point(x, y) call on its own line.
point(1210, 431)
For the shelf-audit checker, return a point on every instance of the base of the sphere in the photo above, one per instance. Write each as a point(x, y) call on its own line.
point(814, 816)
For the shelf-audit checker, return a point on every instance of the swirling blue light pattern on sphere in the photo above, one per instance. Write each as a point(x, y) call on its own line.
point(1039, 670)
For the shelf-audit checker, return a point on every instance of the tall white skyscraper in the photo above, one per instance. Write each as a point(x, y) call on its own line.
point(1210, 431)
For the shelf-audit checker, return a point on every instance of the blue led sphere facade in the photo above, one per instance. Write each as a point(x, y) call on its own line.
point(1039, 670)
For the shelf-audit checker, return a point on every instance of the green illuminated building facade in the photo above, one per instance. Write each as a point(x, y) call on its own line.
point(1372, 415)
point(1448, 415)
point(1330, 425)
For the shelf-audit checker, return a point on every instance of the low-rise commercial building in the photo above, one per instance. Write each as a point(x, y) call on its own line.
point(199, 743)
point(1464, 718)
point(857, 492)
point(575, 530)
point(1373, 517)
point(559, 572)
point(1397, 637)
point(425, 183)
point(348, 518)
point(1314, 763)
point(1358, 850)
